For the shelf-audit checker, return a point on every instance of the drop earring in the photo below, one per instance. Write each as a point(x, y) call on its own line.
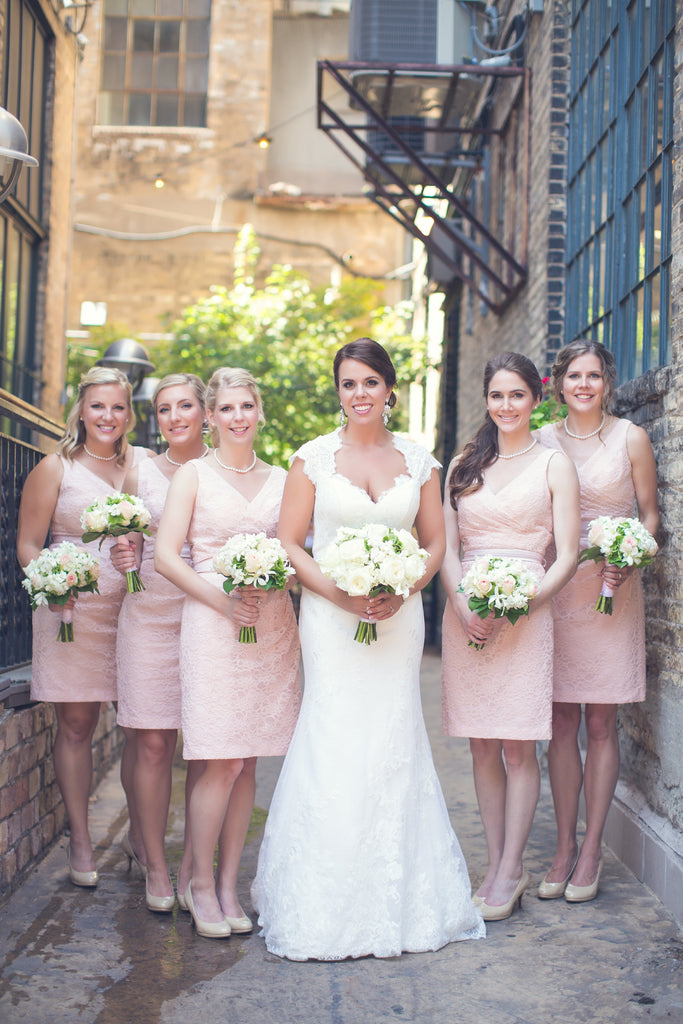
point(342, 415)
point(386, 413)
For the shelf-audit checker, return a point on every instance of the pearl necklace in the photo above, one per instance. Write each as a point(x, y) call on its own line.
point(174, 463)
point(234, 469)
point(100, 458)
point(515, 454)
point(584, 437)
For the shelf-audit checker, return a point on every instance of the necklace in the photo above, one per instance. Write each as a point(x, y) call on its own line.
point(174, 463)
point(234, 469)
point(584, 437)
point(515, 454)
point(100, 458)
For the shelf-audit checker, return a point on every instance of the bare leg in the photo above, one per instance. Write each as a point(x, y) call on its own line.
point(208, 807)
point(128, 763)
point(490, 783)
point(566, 777)
point(76, 723)
point(521, 797)
point(152, 791)
point(194, 771)
point(233, 837)
point(600, 775)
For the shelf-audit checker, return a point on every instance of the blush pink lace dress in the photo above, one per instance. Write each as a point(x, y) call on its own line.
point(148, 643)
point(238, 700)
point(503, 691)
point(359, 857)
point(84, 670)
point(599, 659)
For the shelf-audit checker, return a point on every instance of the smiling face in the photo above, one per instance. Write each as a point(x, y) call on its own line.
point(235, 416)
point(180, 415)
point(362, 392)
point(510, 401)
point(583, 385)
point(105, 414)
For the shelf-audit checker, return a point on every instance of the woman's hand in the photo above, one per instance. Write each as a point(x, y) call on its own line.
point(476, 629)
point(615, 576)
point(244, 605)
point(67, 606)
point(122, 554)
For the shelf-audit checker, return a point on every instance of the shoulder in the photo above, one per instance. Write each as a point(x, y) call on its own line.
point(550, 434)
point(560, 469)
point(50, 469)
point(316, 457)
point(419, 461)
point(323, 443)
point(637, 439)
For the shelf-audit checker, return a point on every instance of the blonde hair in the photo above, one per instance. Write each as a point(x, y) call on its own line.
point(74, 431)
point(231, 377)
point(172, 380)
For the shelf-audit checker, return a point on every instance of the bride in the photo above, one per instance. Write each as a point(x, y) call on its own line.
point(359, 857)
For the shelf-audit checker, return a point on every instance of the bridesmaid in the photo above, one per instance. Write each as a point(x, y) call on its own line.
point(599, 659)
point(505, 495)
point(91, 461)
point(147, 649)
point(239, 701)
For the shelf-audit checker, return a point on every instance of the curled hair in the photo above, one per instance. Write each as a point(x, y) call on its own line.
point(582, 347)
point(365, 350)
point(482, 450)
point(231, 377)
point(172, 380)
point(74, 431)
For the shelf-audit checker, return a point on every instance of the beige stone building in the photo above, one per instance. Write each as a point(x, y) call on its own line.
point(172, 102)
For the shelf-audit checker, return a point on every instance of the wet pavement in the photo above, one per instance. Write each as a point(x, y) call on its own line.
point(100, 957)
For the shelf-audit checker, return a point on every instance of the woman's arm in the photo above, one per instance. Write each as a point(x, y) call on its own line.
point(563, 484)
point(38, 502)
point(431, 529)
point(644, 472)
point(126, 551)
point(173, 529)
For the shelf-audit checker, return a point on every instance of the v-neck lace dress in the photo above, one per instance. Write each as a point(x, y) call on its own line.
point(148, 642)
point(599, 659)
point(238, 700)
point(84, 670)
point(503, 691)
point(358, 855)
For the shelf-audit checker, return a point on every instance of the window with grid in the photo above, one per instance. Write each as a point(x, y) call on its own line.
point(155, 63)
point(620, 179)
point(22, 227)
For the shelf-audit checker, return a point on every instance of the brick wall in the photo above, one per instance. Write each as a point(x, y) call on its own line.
point(32, 814)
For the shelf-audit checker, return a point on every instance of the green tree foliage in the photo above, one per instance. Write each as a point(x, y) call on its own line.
point(286, 334)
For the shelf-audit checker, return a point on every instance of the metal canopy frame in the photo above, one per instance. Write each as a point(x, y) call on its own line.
point(417, 146)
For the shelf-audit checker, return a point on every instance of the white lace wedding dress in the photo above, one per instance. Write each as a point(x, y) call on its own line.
point(358, 855)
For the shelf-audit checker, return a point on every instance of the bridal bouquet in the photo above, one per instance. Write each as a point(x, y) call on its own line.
point(56, 574)
point(252, 560)
point(619, 542)
point(112, 516)
point(501, 586)
point(372, 560)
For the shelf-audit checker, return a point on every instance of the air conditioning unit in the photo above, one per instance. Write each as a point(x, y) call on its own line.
point(408, 31)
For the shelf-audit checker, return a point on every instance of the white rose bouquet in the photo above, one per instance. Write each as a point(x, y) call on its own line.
point(371, 560)
point(57, 574)
point(499, 586)
point(252, 560)
point(619, 542)
point(113, 516)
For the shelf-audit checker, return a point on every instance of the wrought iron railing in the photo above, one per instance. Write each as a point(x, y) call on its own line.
point(17, 459)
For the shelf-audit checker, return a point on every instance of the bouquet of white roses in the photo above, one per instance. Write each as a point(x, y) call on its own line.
point(371, 560)
point(252, 560)
point(619, 542)
point(112, 516)
point(499, 586)
point(56, 574)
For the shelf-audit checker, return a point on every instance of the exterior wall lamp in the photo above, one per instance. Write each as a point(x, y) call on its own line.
point(13, 151)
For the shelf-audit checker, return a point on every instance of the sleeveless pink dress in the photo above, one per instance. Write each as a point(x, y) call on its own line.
point(84, 670)
point(505, 690)
point(599, 659)
point(148, 643)
point(238, 700)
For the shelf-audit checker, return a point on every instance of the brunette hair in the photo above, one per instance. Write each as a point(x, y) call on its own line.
point(482, 450)
point(231, 377)
point(582, 347)
point(74, 431)
point(171, 380)
point(370, 352)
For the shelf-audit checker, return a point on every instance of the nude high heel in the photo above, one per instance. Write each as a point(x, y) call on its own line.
point(583, 893)
point(209, 929)
point(502, 912)
point(85, 879)
point(130, 853)
point(553, 890)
